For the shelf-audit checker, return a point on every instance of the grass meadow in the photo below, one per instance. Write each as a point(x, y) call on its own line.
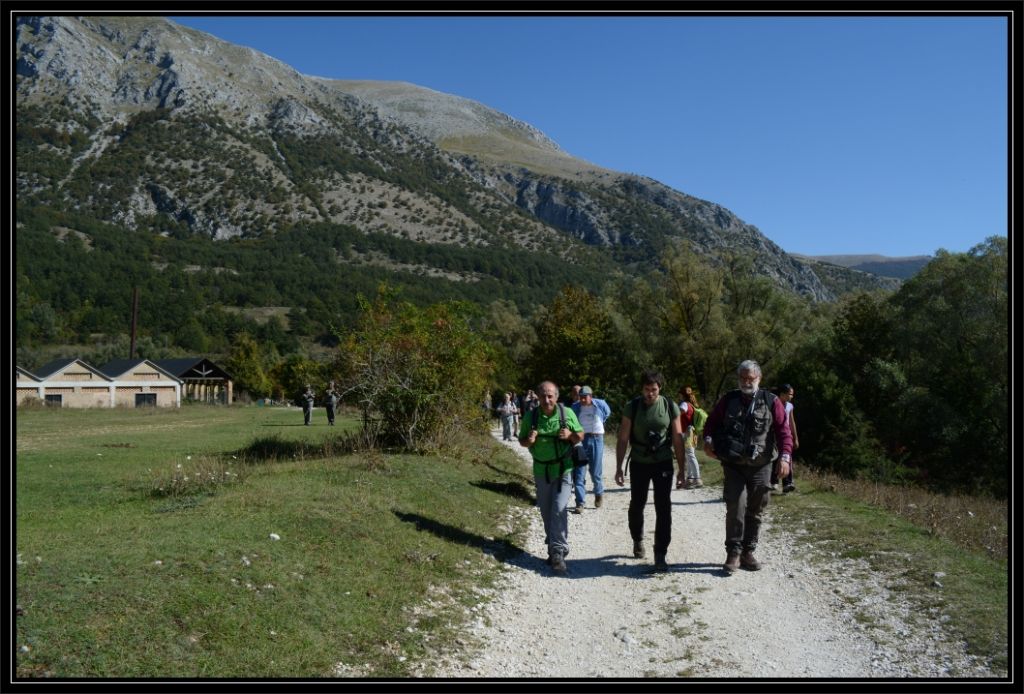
point(286, 561)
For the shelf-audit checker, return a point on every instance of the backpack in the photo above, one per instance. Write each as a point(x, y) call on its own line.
point(699, 417)
point(579, 453)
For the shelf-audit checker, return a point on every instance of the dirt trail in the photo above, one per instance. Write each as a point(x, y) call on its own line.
point(614, 617)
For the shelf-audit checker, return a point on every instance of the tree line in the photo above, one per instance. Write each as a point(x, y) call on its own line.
point(903, 387)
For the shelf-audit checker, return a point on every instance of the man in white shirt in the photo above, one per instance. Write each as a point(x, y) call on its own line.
point(592, 413)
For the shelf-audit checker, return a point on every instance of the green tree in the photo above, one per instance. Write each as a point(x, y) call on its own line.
point(513, 338)
point(290, 376)
point(246, 363)
point(951, 341)
point(417, 375)
point(577, 342)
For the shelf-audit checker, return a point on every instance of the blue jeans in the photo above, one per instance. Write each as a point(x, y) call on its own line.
point(594, 445)
point(553, 501)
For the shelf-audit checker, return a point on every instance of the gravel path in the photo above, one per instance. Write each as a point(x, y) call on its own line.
point(612, 617)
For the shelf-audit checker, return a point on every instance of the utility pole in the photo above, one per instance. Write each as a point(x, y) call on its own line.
point(135, 318)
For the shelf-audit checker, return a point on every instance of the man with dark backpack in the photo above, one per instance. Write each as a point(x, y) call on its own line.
point(742, 432)
point(551, 431)
point(651, 430)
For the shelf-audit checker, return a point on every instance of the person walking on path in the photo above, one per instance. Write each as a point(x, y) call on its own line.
point(742, 432)
point(651, 431)
point(592, 413)
point(306, 400)
point(688, 420)
point(507, 412)
point(330, 402)
point(550, 432)
point(786, 393)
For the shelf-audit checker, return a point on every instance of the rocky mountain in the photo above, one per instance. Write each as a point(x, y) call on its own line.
point(152, 126)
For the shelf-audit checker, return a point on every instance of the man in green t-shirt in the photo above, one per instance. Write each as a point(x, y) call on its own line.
point(651, 430)
point(551, 445)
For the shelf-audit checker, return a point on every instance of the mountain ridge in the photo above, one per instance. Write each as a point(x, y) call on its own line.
point(170, 129)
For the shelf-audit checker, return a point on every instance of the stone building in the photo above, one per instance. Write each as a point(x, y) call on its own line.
point(74, 383)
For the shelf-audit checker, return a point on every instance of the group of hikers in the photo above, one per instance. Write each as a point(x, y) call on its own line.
point(751, 431)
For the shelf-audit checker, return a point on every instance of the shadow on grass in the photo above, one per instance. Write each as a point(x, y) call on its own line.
point(271, 448)
point(527, 480)
point(503, 550)
point(515, 490)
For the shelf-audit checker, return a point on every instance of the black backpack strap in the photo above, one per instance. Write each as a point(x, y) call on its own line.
point(533, 419)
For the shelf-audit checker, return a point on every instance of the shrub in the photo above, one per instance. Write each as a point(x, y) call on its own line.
point(416, 375)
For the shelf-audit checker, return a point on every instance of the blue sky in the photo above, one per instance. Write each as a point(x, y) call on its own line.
point(832, 135)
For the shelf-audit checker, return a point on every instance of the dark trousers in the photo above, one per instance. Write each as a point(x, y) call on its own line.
point(747, 490)
point(640, 477)
point(307, 413)
point(330, 414)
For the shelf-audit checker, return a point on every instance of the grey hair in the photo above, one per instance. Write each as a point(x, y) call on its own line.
point(540, 386)
point(748, 365)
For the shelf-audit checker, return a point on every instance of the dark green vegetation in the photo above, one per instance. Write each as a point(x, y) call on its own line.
point(118, 579)
point(914, 385)
point(69, 290)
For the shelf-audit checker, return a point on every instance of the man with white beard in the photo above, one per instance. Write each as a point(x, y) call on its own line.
point(742, 432)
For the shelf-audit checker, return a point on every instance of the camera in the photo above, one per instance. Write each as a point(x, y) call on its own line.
point(579, 455)
point(653, 441)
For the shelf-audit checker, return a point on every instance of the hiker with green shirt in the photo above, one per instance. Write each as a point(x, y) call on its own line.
point(550, 432)
point(651, 430)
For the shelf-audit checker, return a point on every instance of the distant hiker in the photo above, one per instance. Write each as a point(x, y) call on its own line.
point(550, 432)
point(592, 413)
point(786, 393)
point(517, 401)
point(742, 432)
point(306, 400)
point(688, 409)
point(331, 398)
point(487, 404)
point(507, 413)
point(530, 402)
point(650, 429)
point(574, 395)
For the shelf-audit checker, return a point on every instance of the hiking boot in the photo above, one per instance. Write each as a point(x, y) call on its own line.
point(548, 560)
point(697, 484)
point(598, 500)
point(775, 487)
point(638, 549)
point(748, 562)
point(558, 564)
point(789, 488)
point(659, 563)
point(732, 562)
point(578, 509)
